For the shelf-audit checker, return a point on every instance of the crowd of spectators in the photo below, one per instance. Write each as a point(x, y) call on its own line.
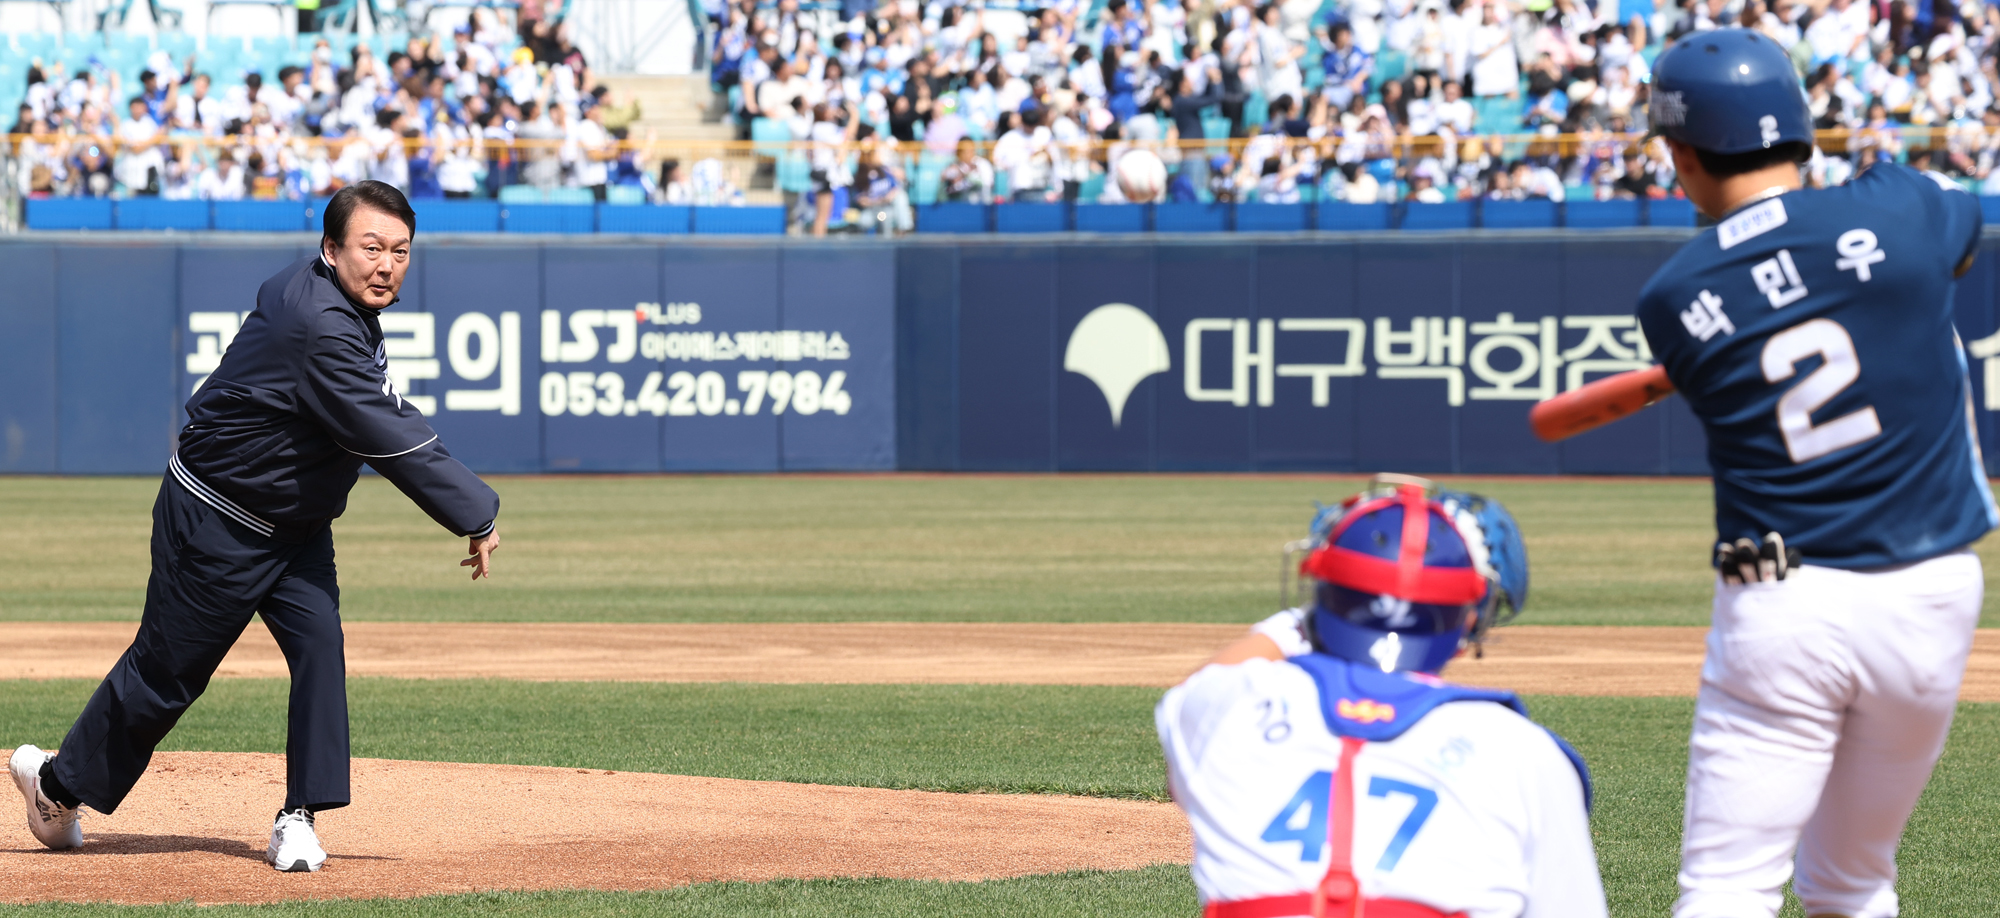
point(435, 117)
point(1356, 100)
point(1352, 100)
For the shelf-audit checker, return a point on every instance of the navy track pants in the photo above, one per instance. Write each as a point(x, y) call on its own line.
point(210, 575)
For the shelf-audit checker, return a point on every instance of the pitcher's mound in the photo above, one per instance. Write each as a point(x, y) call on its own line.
point(197, 824)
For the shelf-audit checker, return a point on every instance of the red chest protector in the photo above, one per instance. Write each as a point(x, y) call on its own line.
point(1354, 701)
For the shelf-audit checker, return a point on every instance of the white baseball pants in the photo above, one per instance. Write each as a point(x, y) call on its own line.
point(1825, 701)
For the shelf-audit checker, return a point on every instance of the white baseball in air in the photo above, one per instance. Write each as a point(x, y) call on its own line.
point(1142, 177)
point(1116, 346)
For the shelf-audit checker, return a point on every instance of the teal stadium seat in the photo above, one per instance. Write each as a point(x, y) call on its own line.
point(794, 171)
point(624, 195)
point(925, 176)
point(1093, 187)
point(222, 60)
point(1216, 130)
point(30, 45)
point(1498, 114)
point(769, 137)
point(178, 45)
point(520, 194)
point(1391, 65)
point(1256, 109)
point(570, 196)
point(126, 51)
point(77, 50)
point(267, 54)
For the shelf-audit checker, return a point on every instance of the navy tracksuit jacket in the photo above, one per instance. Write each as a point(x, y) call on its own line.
point(274, 441)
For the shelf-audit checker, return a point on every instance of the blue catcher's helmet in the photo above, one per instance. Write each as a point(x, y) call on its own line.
point(1404, 574)
point(1729, 91)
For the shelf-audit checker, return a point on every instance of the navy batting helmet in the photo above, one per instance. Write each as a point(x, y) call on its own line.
point(1729, 91)
point(1404, 574)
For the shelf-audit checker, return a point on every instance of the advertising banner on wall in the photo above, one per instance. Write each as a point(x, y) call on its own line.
point(1393, 352)
point(1337, 355)
point(524, 358)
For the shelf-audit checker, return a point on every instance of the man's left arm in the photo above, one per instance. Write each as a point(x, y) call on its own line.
point(346, 393)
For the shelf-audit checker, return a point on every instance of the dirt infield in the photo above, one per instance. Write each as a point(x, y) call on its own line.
point(196, 827)
point(1531, 659)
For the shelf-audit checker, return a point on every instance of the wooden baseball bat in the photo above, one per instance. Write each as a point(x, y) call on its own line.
point(1597, 404)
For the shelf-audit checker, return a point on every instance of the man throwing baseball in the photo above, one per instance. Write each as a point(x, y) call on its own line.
point(1327, 772)
point(1811, 332)
point(274, 441)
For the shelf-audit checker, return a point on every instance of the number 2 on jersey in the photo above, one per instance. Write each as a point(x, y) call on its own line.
point(1303, 818)
point(1782, 352)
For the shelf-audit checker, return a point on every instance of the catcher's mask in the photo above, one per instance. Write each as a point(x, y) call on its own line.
point(1404, 574)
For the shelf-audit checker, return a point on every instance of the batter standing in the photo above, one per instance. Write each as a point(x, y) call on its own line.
point(242, 527)
point(1811, 332)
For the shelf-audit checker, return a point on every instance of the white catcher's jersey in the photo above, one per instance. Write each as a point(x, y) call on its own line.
point(1474, 809)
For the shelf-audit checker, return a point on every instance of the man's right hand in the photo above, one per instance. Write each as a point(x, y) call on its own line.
point(481, 549)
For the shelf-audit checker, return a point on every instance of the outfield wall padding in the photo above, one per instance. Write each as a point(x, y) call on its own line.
point(1321, 352)
point(609, 356)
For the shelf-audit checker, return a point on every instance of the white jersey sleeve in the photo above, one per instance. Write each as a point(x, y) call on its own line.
point(1474, 809)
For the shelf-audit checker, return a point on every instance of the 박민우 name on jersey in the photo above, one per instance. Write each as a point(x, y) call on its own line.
point(1812, 335)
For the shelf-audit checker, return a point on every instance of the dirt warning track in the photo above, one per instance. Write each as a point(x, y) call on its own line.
point(1530, 659)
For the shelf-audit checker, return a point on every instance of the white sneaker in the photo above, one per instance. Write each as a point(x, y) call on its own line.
point(294, 845)
point(54, 825)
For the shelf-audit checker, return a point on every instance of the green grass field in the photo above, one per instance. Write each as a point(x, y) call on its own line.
point(866, 548)
point(1051, 548)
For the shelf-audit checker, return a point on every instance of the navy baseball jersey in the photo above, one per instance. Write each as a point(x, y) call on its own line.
point(1812, 334)
point(278, 433)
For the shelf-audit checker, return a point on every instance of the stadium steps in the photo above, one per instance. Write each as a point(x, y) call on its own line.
point(674, 107)
point(678, 108)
